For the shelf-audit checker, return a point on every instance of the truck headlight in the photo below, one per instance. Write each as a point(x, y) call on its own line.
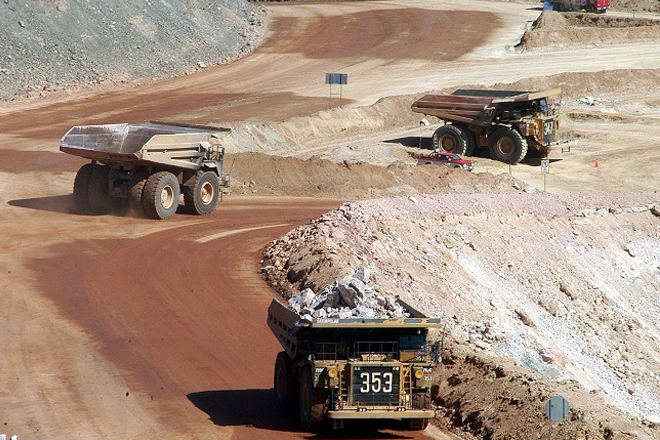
point(419, 373)
point(332, 373)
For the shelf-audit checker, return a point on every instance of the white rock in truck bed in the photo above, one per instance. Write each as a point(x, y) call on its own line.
point(350, 297)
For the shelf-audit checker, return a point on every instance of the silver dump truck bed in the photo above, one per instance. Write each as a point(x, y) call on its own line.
point(144, 144)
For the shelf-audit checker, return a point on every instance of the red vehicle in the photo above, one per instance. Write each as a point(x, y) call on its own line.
point(448, 159)
point(597, 6)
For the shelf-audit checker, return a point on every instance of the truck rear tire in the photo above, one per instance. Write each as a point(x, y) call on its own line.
point(97, 190)
point(313, 402)
point(160, 197)
point(138, 182)
point(471, 140)
point(284, 384)
point(202, 195)
point(451, 139)
point(507, 145)
point(81, 186)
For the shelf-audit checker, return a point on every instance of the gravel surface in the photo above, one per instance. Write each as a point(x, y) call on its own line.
point(48, 46)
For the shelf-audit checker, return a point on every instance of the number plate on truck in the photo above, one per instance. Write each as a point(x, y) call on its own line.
point(548, 131)
point(376, 386)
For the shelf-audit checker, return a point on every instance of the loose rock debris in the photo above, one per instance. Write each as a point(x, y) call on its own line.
point(350, 297)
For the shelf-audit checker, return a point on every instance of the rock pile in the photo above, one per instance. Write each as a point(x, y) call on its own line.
point(50, 46)
point(350, 297)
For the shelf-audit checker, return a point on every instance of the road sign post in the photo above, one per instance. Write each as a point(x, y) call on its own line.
point(336, 78)
point(545, 169)
point(556, 409)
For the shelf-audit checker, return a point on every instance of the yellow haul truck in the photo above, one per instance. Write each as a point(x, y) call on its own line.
point(357, 368)
point(504, 121)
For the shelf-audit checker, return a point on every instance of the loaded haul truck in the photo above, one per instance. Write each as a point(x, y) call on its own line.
point(339, 369)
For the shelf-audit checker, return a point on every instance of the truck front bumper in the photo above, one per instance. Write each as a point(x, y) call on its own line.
point(358, 413)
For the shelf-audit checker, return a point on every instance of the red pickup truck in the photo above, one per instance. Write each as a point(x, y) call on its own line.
point(448, 159)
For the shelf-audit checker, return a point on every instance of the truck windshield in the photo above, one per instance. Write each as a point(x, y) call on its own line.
point(412, 342)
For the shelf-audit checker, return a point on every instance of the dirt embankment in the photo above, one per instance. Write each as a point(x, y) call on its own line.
point(575, 29)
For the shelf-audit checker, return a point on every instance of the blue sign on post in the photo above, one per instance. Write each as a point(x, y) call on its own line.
point(336, 78)
point(556, 408)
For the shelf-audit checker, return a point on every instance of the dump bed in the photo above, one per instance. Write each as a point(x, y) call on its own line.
point(474, 105)
point(143, 144)
point(289, 327)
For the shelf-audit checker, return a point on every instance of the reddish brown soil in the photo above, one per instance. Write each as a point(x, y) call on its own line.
point(182, 312)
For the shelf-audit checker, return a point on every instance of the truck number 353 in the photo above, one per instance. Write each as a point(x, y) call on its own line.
point(376, 382)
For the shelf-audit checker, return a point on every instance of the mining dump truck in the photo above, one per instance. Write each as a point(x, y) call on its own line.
point(147, 166)
point(507, 122)
point(336, 370)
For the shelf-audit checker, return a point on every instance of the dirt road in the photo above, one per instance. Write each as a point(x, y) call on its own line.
point(123, 327)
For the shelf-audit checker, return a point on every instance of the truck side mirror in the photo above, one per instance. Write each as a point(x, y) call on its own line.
point(435, 354)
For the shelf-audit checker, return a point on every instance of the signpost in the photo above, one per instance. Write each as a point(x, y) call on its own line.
point(545, 169)
point(556, 409)
point(336, 78)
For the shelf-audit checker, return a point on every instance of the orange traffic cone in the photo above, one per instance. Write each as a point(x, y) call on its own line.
point(596, 164)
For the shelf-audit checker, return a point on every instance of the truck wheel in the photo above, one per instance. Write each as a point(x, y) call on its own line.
point(507, 145)
point(451, 139)
point(202, 195)
point(97, 190)
point(81, 185)
point(470, 139)
point(313, 402)
point(138, 182)
point(284, 384)
point(160, 197)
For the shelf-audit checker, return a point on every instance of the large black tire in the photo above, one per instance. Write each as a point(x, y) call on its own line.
point(284, 383)
point(202, 195)
point(97, 190)
point(450, 138)
point(507, 145)
point(471, 139)
point(138, 182)
point(80, 187)
point(313, 402)
point(160, 197)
